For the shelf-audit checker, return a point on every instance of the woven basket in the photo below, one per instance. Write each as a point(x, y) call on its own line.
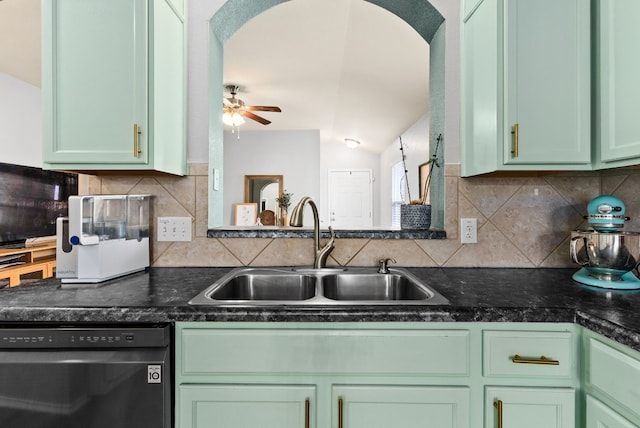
point(415, 216)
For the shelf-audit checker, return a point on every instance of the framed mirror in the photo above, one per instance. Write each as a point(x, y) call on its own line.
point(263, 191)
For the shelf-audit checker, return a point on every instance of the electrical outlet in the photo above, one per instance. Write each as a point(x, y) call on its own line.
point(469, 230)
point(175, 229)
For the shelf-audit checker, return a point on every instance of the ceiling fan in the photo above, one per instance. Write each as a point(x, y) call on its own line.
point(234, 109)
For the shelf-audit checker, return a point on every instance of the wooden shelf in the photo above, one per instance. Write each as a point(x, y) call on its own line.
point(40, 258)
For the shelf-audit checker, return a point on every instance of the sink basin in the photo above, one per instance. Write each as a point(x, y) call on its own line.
point(327, 286)
point(392, 286)
point(265, 286)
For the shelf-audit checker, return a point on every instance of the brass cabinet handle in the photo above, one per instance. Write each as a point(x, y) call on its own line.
point(307, 404)
point(340, 406)
point(498, 405)
point(515, 131)
point(542, 360)
point(136, 145)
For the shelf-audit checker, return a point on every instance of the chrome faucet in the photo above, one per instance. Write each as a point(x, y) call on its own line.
point(383, 265)
point(321, 254)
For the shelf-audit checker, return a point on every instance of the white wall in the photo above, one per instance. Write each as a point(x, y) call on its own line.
point(271, 153)
point(416, 149)
point(20, 122)
point(286, 153)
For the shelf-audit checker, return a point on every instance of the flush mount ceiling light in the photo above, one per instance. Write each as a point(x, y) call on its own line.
point(351, 143)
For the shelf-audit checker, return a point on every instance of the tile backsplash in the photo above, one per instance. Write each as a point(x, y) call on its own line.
point(523, 221)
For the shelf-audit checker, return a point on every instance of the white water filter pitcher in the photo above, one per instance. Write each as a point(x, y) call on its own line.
point(103, 237)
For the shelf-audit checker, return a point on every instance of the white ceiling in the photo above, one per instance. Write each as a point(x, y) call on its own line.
point(346, 67)
point(20, 39)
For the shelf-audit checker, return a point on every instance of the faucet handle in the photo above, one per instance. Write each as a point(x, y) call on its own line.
point(383, 268)
point(332, 235)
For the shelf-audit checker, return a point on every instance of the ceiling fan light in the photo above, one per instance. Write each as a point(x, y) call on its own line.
point(237, 119)
point(232, 118)
point(351, 143)
point(226, 118)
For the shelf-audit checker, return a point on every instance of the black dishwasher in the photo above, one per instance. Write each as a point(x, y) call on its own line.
point(72, 377)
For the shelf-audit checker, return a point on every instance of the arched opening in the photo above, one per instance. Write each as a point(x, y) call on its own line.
point(419, 14)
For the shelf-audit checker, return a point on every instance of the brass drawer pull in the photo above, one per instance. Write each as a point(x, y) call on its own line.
point(307, 404)
point(515, 130)
point(340, 408)
point(136, 144)
point(498, 405)
point(542, 360)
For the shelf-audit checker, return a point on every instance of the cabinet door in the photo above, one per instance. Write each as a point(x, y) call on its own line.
point(481, 88)
point(245, 406)
point(614, 374)
point(400, 407)
point(529, 407)
point(618, 86)
point(95, 81)
point(601, 416)
point(547, 82)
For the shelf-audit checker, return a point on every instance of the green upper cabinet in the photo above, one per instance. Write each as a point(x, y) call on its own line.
point(617, 86)
point(526, 86)
point(481, 87)
point(114, 85)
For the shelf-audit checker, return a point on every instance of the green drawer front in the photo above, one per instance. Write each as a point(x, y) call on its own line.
point(394, 352)
point(500, 347)
point(615, 373)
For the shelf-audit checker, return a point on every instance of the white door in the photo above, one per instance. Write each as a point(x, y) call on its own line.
point(350, 199)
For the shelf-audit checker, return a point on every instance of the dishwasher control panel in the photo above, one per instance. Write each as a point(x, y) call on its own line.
point(101, 337)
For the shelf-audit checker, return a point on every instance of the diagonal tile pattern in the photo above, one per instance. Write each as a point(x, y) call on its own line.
point(535, 219)
point(522, 222)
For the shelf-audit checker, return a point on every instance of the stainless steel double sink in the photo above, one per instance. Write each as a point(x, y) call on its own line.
point(327, 286)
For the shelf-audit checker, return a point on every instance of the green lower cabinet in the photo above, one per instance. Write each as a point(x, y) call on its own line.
point(530, 407)
point(246, 406)
point(367, 406)
point(612, 377)
point(375, 375)
point(601, 416)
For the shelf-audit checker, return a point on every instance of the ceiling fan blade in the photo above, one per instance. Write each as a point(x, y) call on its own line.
point(255, 117)
point(263, 108)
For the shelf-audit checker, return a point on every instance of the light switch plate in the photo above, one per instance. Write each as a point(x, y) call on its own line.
point(216, 179)
point(174, 229)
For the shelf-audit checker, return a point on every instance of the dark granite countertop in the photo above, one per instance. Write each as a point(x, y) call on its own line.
point(475, 294)
point(296, 232)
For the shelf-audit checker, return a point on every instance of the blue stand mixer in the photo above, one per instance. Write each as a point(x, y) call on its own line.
point(607, 255)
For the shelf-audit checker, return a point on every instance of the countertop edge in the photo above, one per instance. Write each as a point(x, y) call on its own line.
point(140, 315)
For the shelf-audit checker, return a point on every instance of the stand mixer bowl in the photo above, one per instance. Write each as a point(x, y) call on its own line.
point(606, 256)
